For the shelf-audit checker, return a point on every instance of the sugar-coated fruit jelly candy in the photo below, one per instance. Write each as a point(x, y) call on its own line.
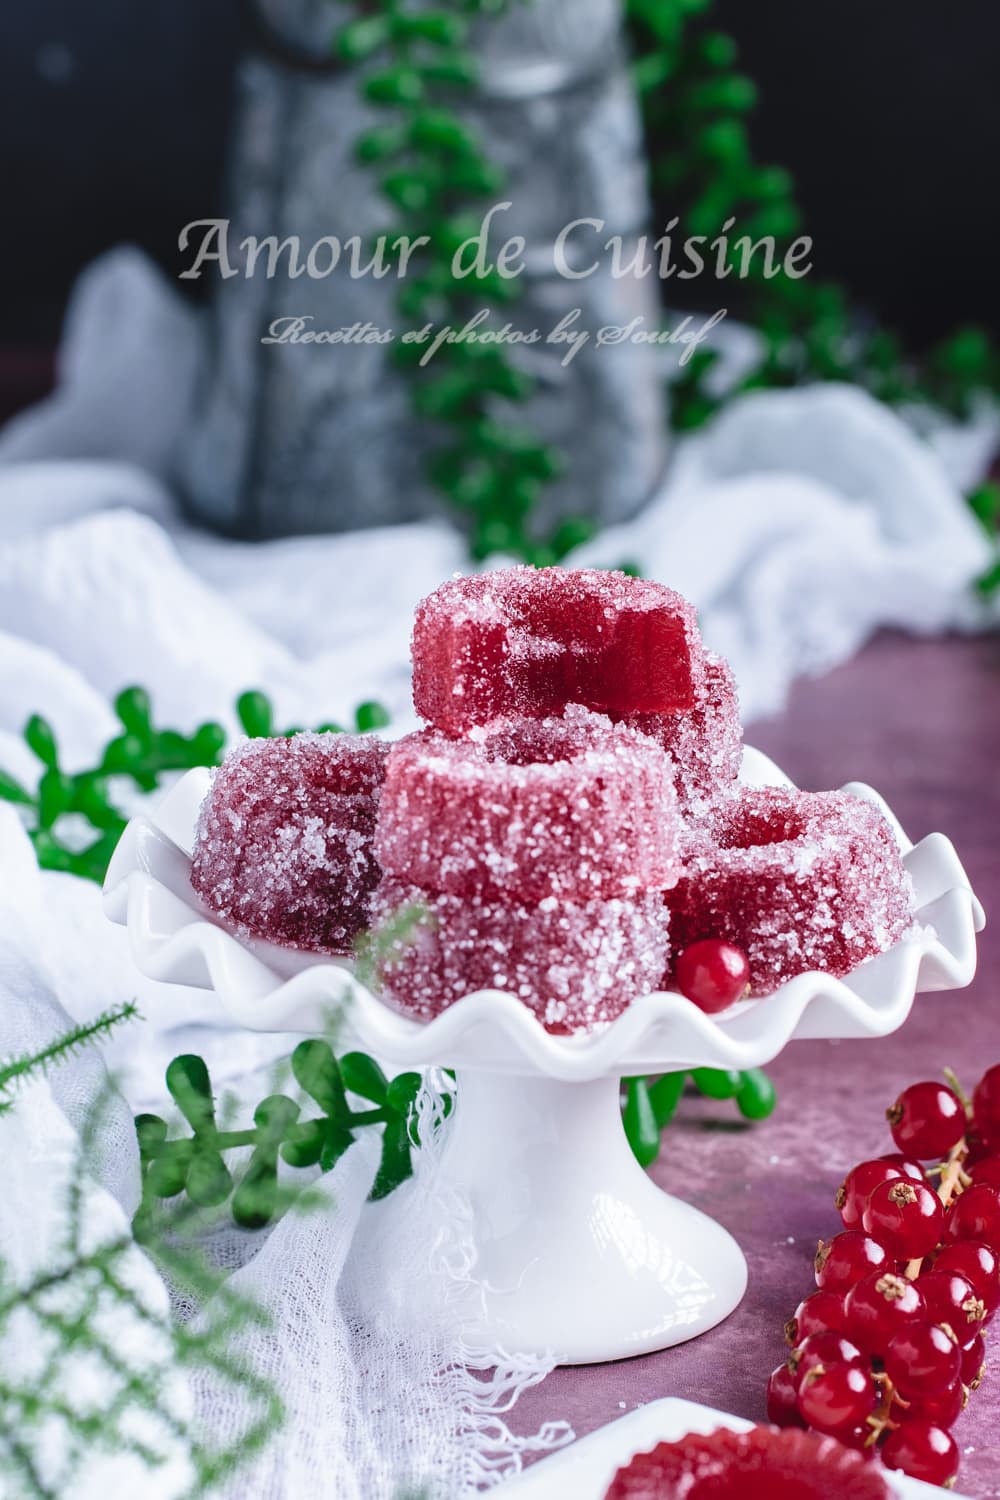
point(528, 641)
point(574, 807)
point(575, 964)
point(798, 880)
point(706, 742)
point(762, 1464)
point(285, 842)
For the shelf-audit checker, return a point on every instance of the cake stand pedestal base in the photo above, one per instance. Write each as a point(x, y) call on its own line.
point(580, 1254)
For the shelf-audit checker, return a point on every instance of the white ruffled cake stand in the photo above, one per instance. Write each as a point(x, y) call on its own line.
point(579, 1253)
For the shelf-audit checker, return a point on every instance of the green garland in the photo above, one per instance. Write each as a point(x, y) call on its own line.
point(75, 821)
point(434, 170)
point(70, 1310)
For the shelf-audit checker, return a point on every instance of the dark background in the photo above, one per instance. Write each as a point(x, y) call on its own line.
point(114, 116)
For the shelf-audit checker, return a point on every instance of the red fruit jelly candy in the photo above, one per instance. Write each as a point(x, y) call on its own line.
point(763, 1464)
point(574, 807)
point(798, 880)
point(575, 964)
point(706, 742)
point(527, 641)
point(285, 843)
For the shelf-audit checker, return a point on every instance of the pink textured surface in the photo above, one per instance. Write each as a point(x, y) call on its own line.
point(798, 880)
point(920, 720)
point(574, 963)
point(529, 641)
point(573, 807)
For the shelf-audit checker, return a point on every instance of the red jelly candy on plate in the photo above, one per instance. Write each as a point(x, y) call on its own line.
point(574, 807)
point(285, 843)
point(527, 641)
point(799, 881)
point(577, 965)
point(763, 1464)
point(706, 742)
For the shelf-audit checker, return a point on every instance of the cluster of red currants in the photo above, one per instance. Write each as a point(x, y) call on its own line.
point(886, 1351)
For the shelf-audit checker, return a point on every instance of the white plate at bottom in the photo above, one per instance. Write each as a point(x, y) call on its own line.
point(584, 1470)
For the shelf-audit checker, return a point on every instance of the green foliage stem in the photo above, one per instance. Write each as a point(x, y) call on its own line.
point(433, 169)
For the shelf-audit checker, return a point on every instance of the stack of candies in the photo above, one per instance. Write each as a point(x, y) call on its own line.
point(888, 1348)
point(569, 826)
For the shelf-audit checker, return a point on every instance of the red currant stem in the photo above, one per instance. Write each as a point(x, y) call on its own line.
point(950, 1185)
point(951, 1079)
point(879, 1420)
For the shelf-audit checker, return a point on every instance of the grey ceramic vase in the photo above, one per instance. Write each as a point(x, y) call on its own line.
point(295, 438)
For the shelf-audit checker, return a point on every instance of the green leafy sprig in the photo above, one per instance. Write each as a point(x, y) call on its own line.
point(651, 1103)
point(27, 1067)
point(696, 104)
point(433, 168)
point(195, 1163)
point(73, 1308)
point(74, 819)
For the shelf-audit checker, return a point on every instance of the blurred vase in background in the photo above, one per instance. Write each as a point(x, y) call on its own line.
point(296, 438)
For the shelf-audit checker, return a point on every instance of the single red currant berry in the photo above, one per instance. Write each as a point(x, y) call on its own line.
point(836, 1398)
point(878, 1307)
point(975, 1215)
point(906, 1165)
point(922, 1360)
point(905, 1217)
point(987, 1170)
point(927, 1120)
point(713, 974)
point(943, 1409)
point(978, 1264)
point(858, 1186)
point(847, 1258)
point(823, 1349)
point(986, 1103)
point(974, 1363)
point(923, 1451)
point(952, 1302)
point(783, 1399)
point(821, 1312)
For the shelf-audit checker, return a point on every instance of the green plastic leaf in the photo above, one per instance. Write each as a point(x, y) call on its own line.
point(317, 1072)
point(756, 1097)
point(665, 1095)
point(361, 38)
point(362, 1075)
point(209, 1182)
point(41, 739)
point(438, 27)
point(396, 1164)
point(150, 1131)
point(336, 1140)
point(134, 709)
point(166, 1175)
point(371, 715)
point(305, 1150)
point(398, 85)
point(55, 796)
point(191, 1090)
point(256, 714)
point(717, 1083)
point(640, 1122)
point(256, 1198)
point(13, 791)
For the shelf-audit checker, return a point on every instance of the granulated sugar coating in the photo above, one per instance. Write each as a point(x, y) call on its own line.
point(528, 641)
point(577, 965)
point(706, 743)
point(285, 841)
point(798, 880)
point(574, 807)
